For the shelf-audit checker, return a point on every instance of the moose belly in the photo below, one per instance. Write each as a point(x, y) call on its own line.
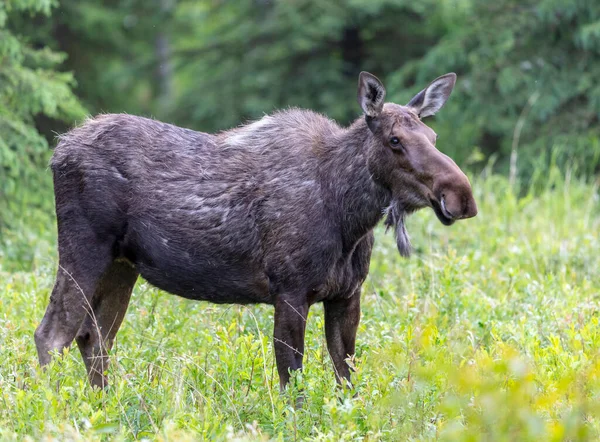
point(200, 267)
point(224, 284)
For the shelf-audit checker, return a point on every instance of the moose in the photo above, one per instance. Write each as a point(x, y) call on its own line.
point(278, 211)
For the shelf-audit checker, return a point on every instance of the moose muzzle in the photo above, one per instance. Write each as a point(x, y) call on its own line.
point(453, 197)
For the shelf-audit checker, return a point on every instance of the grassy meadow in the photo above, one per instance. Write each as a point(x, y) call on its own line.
point(489, 332)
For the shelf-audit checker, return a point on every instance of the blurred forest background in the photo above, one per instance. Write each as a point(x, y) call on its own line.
point(528, 70)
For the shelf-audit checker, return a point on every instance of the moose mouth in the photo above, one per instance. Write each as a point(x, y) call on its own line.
point(440, 211)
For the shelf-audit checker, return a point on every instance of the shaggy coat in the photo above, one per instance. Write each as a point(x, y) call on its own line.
point(280, 211)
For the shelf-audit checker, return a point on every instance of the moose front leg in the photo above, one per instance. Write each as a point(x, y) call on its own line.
point(290, 324)
point(341, 322)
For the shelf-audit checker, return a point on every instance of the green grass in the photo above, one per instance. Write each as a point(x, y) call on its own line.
point(489, 332)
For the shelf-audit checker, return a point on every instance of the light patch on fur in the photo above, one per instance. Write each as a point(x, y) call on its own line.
point(242, 136)
point(395, 217)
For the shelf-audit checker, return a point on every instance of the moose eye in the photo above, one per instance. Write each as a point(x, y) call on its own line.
point(394, 141)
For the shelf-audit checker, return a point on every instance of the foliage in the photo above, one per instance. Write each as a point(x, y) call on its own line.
point(489, 333)
point(29, 86)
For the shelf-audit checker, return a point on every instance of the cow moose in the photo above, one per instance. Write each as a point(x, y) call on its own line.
point(278, 211)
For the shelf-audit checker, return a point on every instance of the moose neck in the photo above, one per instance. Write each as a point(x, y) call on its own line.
point(358, 200)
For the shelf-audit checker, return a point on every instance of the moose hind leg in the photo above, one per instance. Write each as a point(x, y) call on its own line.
point(100, 326)
point(83, 260)
point(290, 326)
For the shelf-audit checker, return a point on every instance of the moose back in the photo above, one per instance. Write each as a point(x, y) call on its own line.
point(280, 211)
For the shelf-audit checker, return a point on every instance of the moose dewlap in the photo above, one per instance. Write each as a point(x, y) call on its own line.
point(280, 211)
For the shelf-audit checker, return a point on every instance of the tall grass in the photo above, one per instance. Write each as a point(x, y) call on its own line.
point(489, 332)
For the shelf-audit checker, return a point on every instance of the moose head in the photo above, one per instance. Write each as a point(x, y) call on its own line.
point(403, 156)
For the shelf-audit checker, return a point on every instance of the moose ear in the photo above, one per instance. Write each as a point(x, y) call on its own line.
point(433, 97)
point(371, 94)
